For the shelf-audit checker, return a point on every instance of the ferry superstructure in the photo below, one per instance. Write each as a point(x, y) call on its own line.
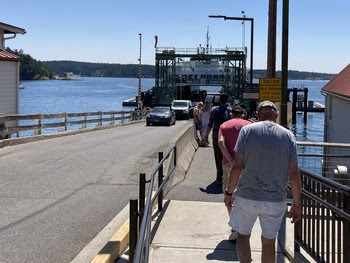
point(181, 72)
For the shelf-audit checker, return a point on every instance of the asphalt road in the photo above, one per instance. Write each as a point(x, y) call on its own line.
point(58, 194)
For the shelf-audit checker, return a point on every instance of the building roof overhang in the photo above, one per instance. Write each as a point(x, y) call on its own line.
point(340, 84)
point(8, 56)
point(9, 29)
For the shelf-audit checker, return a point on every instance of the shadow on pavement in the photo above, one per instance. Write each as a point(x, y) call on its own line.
point(214, 188)
point(224, 251)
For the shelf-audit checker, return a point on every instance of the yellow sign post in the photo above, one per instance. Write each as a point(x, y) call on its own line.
point(270, 89)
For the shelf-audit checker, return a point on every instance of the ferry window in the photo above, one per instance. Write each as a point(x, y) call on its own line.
point(215, 77)
point(190, 77)
point(203, 76)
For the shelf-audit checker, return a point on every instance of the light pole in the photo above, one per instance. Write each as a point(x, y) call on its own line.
point(251, 38)
point(243, 30)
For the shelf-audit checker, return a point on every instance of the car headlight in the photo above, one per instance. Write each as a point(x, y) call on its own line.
point(185, 111)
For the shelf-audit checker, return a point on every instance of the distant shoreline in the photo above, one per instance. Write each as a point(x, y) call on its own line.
point(89, 69)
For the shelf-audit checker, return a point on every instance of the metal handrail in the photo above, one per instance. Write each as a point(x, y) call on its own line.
point(143, 242)
point(323, 231)
point(334, 185)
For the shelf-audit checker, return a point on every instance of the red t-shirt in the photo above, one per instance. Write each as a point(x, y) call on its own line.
point(230, 130)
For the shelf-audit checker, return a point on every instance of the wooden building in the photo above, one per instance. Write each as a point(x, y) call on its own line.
point(9, 71)
point(337, 108)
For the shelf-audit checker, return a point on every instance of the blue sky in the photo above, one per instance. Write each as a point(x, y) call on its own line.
point(107, 30)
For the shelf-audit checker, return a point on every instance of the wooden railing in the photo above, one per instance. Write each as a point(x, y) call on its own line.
point(37, 123)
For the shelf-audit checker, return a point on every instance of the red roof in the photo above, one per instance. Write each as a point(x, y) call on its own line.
point(340, 84)
point(5, 55)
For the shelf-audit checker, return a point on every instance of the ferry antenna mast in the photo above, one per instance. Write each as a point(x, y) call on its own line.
point(139, 102)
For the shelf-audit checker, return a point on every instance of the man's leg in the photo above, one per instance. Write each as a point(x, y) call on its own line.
point(270, 217)
point(218, 159)
point(226, 170)
point(243, 248)
point(268, 250)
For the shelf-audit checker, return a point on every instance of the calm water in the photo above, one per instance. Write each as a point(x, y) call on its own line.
point(107, 94)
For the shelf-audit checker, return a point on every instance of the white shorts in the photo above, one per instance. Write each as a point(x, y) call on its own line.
point(245, 212)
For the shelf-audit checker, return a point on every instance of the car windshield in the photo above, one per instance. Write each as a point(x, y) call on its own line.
point(160, 110)
point(180, 104)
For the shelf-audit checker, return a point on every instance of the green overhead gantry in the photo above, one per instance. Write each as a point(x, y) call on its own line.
point(231, 75)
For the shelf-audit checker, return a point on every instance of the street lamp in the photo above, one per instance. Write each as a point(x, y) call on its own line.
point(243, 30)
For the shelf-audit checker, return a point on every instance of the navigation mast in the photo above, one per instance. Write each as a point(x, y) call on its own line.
point(139, 102)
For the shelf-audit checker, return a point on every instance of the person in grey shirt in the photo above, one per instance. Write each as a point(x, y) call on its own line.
point(266, 159)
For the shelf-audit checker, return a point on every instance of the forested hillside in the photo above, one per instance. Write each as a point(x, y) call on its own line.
point(100, 69)
point(148, 71)
point(295, 74)
point(31, 68)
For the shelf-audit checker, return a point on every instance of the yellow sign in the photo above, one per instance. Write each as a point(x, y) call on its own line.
point(270, 89)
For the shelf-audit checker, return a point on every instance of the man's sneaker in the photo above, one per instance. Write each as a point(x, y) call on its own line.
point(218, 182)
point(233, 235)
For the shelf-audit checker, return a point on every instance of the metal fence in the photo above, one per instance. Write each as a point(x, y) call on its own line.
point(324, 230)
point(330, 160)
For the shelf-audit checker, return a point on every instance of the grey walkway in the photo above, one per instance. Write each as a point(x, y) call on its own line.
point(197, 232)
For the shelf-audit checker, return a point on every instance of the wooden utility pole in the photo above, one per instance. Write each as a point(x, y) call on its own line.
point(285, 37)
point(271, 45)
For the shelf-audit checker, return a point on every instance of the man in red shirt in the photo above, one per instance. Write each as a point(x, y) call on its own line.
point(228, 134)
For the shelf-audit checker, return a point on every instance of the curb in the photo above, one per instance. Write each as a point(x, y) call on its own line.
point(118, 243)
point(118, 228)
point(115, 246)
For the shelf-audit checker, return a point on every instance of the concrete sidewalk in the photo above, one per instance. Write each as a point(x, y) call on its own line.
point(189, 231)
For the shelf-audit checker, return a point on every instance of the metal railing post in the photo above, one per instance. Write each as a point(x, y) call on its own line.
point(346, 233)
point(142, 196)
point(133, 228)
point(160, 181)
point(175, 156)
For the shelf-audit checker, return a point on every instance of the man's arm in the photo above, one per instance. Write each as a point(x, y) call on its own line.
point(222, 146)
point(233, 180)
point(211, 123)
point(295, 183)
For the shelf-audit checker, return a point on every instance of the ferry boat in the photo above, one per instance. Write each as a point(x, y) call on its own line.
point(190, 73)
